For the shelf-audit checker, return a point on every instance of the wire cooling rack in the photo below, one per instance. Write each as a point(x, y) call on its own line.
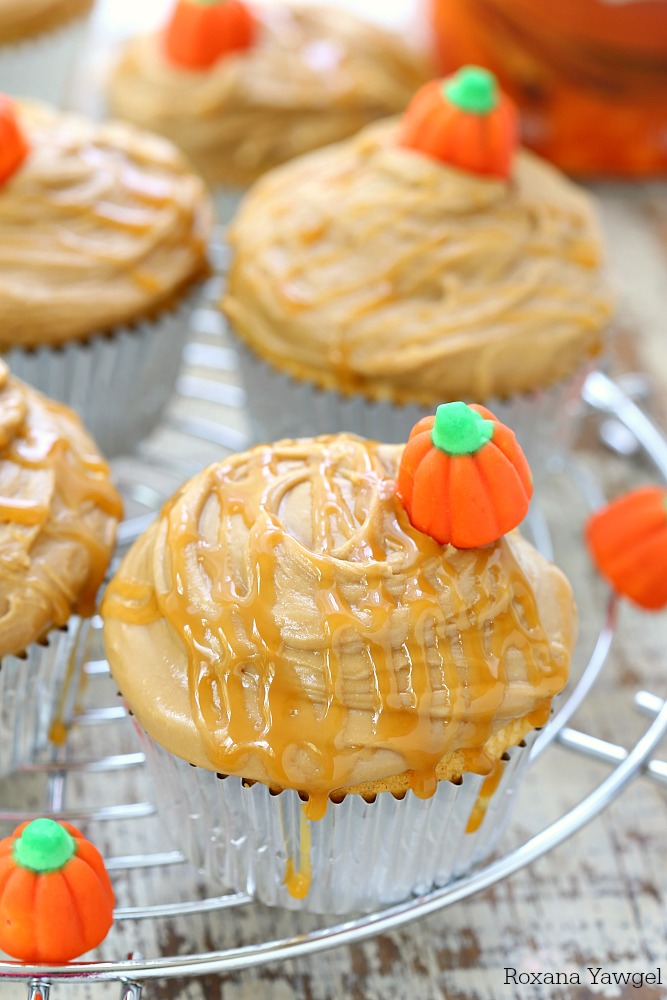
point(97, 778)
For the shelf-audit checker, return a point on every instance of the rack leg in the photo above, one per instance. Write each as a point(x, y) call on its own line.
point(130, 991)
point(38, 989)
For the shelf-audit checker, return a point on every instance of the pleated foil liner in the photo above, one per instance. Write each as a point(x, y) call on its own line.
point(280, 406)
point(41, 67)
point(227, 201)
point(363, 854)
point(119, 384)
point(38, 694)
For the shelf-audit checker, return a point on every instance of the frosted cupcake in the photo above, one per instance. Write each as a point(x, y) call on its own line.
point(38, 43)
point(103, 232)
point(352, 646)
point(241, 89)
point(57, 530)
point(426, 258)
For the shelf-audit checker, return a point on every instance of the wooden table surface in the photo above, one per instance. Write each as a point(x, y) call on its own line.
point(599, 901)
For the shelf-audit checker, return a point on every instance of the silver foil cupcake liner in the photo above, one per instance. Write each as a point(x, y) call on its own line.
point(38, 694)
point(41, 67)
point(362, 854)
point(281, 406)
point(119, 384)
point(227, 201)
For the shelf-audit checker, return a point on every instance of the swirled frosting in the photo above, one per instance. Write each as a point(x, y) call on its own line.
point(20, 19)
point(315, 76)
point(374, 269)
point(283, 621)
point(102, 226)
point(58, 516)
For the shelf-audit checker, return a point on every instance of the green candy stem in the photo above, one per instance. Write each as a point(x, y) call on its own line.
point(458, 430)
point(472, 89)
point(44, 846)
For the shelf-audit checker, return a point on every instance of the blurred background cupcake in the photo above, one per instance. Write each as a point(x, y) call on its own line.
point(353, 690)
point(103, 242)
point(58, 518)
point(39, 40)
point(241, 88)
point(426, 258)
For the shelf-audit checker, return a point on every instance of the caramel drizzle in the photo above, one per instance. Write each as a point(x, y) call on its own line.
point(314, 77)
point(80, 482)
point(106, 206)
point(298, 880)
point(426, 299)
point(414, 638)
point(103, 227)
point(486, 793)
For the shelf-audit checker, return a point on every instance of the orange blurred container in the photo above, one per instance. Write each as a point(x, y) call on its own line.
point(590, 76)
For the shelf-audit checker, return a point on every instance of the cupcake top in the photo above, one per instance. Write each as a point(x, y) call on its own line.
point(293, 627)
point(21, 19)
point(100, 226)
point(308, 76)
point(58, 516)
point(375, 267)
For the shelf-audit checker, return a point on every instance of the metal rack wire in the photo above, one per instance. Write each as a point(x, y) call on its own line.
point(78, 782)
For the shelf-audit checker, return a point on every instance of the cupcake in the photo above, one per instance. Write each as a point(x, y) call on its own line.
point(426, 258)
point(57, 531)
point(242, 89)
point(38, 43)
point(103, 232)
point(353, 647)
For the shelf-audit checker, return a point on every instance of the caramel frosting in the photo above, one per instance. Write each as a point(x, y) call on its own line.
point(58, 516)
point(102, 226)
point(315, 76)
point(283, 621)
point(373, 269)
point(21, 19)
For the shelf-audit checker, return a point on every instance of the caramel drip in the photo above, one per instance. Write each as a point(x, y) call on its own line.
point(22, 511)
point(322, 629)
point(134, 599)
point(298, 880)
point(70, 692)
point(486, 793)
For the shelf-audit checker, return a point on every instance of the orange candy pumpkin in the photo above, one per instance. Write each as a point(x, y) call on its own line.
point(56, 900)
point(463, 478)
point(628, 543)
point(465, 121)
point(13, 145)
point(200, 32)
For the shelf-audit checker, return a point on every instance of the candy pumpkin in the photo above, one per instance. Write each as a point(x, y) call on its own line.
point(628, 543)
point(56, 900)
point(200, 32)
point(13, 145)
point(463, 478)
point(464, 121)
